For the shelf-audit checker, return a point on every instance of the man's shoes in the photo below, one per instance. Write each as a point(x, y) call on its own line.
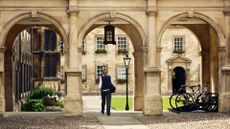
point(102, 112)
point(108, 114)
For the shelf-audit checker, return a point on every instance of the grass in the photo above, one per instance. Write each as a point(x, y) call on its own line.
point(119, 103)
point(165, 103)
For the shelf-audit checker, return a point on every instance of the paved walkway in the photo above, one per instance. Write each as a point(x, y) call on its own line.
point(117, 119)
point(93, 119)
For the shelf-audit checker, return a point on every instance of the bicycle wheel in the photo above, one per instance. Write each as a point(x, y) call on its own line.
point(211, 102)
point(184, 102)
point(172, 101)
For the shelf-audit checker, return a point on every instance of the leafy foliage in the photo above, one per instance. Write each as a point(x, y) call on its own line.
point(41, 92)
point(33, 105)
point(42, 97)
point(60, 103)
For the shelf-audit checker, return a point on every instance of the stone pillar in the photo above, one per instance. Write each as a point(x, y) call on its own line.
point(152, 42)
point(139, 82)
point(227, 31)
point(73, 99)
point(2, 88)
point(153, 99)
point(224, 92)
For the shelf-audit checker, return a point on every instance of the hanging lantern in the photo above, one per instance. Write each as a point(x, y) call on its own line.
point(109, 34)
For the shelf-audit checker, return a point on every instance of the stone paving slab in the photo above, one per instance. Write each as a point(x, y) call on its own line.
point(121, 122)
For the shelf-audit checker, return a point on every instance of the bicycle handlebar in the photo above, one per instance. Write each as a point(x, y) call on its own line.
point(192, 86)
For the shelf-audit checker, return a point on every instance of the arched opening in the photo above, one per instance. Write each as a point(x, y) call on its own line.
point(33, 57)
point(124, 29)
point(179, 78)
point(180, 47)
point(200, 65)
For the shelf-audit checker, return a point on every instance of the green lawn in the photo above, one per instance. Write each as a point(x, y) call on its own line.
point(166, 105)
point(119, 103)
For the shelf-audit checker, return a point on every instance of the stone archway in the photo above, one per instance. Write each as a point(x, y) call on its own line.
point(12, 29)
point(135, 32)
point(210, 37)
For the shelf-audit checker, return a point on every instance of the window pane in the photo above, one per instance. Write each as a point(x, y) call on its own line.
point(100, 44)
point(53, 39)
point(122, 43)
point(178, 44)
point(99, 71)
point(50, 40)
point(47, 40)
point(51, 61)
point(121, 73)
point(84, 71)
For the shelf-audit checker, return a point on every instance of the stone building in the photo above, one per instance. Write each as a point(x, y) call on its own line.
point(180, 59)
point(35, 62)
point(144, 21)
point(96, 54)
point(22, 65)
point(47, 57)
point(180, 49)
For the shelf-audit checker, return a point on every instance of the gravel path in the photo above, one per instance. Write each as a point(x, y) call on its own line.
point(60, 122)
point(195, 120)
point(187, 121)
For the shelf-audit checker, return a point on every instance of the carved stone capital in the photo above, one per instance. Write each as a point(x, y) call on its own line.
point(73, 10)
point(151, 12)
point(221, 49)
point(226, 69)
point(72, 72)
point(159, 49)
point(152, 70)
point(145, 49)
point(2, 49)
point(227, 11)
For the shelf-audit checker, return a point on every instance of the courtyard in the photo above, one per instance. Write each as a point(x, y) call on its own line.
point(93, 119)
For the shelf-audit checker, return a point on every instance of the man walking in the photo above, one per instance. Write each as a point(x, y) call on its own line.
point(104, 84)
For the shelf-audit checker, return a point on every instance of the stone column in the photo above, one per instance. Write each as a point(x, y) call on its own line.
point(153, 99)
point(73, 99)
point(139, 82)
point(221, 62)
point(2, 88)
point(224, 98)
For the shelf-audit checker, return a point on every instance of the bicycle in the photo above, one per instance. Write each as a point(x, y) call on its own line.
point(203, 100)
point(206, 100)
point(183, 96)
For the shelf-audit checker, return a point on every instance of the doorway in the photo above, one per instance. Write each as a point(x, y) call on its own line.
point(178, 79)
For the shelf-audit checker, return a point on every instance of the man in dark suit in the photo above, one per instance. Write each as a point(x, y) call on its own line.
point(104, 84)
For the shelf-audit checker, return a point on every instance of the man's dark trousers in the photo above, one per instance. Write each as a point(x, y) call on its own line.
point(106, 96)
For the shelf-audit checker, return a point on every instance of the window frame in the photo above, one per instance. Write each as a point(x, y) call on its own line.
point(179, 45)
point(119, 73)
point(97, 75)
point(100, 48)
point(49, 65)
point(84, 73)
point(119, 49)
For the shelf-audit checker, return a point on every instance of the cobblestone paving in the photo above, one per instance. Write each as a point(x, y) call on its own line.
point(60, 122)
point(187, 121)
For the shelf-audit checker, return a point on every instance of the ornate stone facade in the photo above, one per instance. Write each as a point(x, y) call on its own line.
point(144, 21)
